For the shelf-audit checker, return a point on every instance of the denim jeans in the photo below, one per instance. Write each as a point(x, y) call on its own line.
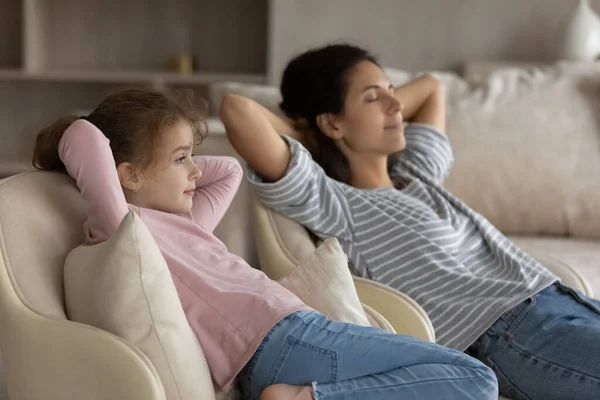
point(344, 361)
point(546, 348)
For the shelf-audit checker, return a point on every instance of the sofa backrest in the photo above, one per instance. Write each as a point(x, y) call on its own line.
point(527, 148)
point(41, 221)
point(526, 144)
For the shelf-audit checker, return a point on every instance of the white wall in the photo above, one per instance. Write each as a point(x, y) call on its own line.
point(421, 34)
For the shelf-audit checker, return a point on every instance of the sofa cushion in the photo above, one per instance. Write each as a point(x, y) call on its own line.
point(526, 144)
point(266, 95)
point(527, 149)
point(124, 286)
point(323, 281)
point(583, 255)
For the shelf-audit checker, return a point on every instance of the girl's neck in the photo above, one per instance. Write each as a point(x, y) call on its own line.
point(369, 172)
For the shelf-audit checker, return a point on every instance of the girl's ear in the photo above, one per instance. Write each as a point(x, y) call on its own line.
point(129, 177)
point(327, 123)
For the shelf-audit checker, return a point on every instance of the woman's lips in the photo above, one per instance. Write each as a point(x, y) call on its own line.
point(394, 127)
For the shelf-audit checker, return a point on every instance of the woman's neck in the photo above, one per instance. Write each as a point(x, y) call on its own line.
point(369, 172)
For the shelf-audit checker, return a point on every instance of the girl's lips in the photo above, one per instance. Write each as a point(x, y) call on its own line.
point(189, 192)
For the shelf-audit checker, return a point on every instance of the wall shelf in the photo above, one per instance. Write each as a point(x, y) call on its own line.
point(159, 78)
point(62, 56)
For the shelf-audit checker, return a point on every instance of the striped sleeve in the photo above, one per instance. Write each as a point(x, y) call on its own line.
point(427, 152)
point(306, 194)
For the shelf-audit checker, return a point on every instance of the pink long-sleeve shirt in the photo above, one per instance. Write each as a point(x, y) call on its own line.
point(229, 305)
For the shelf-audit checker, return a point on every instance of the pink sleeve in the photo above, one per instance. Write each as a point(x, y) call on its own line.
point(221, 177)
point(86, 153)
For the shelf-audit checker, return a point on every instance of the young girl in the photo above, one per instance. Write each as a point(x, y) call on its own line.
point(134, 152)
point(376, 186)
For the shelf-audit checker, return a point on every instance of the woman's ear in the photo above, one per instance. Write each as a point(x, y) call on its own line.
point(129, 177)
point(327, 123)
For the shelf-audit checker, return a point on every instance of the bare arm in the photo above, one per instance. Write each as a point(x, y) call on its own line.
point(424, 101)
point(254, 132)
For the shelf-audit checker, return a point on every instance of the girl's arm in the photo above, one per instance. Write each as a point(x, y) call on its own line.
point(254, 132)
point(215, 189)
point(86, 154)
point(424, 101)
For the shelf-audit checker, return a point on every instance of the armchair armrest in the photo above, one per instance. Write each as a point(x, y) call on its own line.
point(376, 319)
point(402, 312)
point(59, 359)
point(568, 276)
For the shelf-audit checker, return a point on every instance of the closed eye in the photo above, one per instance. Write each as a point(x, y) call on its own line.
point(371, 95)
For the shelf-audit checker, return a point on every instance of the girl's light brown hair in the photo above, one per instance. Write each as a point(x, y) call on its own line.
point(134, 121)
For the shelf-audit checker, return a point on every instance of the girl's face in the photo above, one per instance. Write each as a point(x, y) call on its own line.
point(371, 122)
point(169, 183)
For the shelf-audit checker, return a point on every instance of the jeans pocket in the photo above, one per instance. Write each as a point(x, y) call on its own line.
point(512, 319)
point(301, 363)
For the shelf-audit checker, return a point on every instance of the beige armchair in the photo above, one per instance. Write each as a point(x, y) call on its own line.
point(45, 355)
point(281, 242)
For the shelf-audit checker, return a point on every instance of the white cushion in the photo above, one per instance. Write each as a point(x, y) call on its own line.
point(399, 76)
point(323, 281)
point(124, 286)
point(526, 144)
point(527, 149)
point(266, 95)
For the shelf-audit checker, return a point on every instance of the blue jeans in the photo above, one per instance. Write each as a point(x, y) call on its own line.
point(344, 361)
point(546, 348)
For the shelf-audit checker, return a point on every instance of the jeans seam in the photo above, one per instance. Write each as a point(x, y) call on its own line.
point(493, 365)
point(541, 360)
point(284, 353)
point(354, 390)
point(580, 298)
point(517, 322)
point(254, 359)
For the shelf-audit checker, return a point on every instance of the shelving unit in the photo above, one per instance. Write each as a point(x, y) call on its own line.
point(156, 79)
point(61, 56)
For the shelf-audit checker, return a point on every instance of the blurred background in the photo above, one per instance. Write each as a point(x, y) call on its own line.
point(526, 144)
point(61, 57)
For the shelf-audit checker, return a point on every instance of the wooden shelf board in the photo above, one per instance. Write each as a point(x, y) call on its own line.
point(159, 77)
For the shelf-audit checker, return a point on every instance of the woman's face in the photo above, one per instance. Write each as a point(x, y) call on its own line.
point(371, 122)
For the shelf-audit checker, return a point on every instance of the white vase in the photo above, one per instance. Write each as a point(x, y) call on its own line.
point(580, 38)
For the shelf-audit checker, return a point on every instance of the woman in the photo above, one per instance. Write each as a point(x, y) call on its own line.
point(376, 186)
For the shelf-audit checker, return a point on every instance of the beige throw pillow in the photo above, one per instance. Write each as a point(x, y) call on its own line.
point(124, 286)
point(527, 148)
point(324, 282)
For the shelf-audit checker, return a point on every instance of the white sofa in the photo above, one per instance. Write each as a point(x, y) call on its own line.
point(527, 153)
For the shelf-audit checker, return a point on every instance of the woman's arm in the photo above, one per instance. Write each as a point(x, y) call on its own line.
point(283, 174)
point(254, 132)
point(424, 101)
point(86, 154)
point(216, 188)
